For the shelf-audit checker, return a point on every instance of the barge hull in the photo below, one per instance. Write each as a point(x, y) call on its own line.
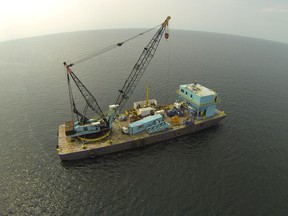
point(131, 143)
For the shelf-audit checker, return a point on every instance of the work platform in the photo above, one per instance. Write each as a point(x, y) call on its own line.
point(117, 141)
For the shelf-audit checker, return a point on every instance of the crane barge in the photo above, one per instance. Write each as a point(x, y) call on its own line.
point(147, 123)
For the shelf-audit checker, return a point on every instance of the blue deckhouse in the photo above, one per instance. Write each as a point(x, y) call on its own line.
point(200, 100)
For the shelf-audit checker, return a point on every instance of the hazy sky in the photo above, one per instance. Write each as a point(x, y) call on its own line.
point(265, 19)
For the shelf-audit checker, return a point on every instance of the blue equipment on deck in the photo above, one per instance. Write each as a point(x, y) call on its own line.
point(158, 127)
point(141, 125)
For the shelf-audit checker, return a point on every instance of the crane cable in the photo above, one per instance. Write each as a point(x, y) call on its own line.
point(106, 49)
point(71, 98)
point(168, 67)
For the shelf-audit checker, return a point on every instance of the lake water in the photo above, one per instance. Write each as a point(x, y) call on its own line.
point(239, 167)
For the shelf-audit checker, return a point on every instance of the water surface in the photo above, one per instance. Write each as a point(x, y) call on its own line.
point(239, 167)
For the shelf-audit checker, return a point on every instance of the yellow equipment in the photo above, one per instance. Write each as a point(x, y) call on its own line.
point(175, 120)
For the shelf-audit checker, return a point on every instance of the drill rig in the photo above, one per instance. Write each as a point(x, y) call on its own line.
point(94, 127)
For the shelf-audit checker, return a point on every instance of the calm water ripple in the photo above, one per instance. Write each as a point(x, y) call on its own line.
point(239, 167)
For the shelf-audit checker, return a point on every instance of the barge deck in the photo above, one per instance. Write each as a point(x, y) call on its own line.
point(117, 141)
